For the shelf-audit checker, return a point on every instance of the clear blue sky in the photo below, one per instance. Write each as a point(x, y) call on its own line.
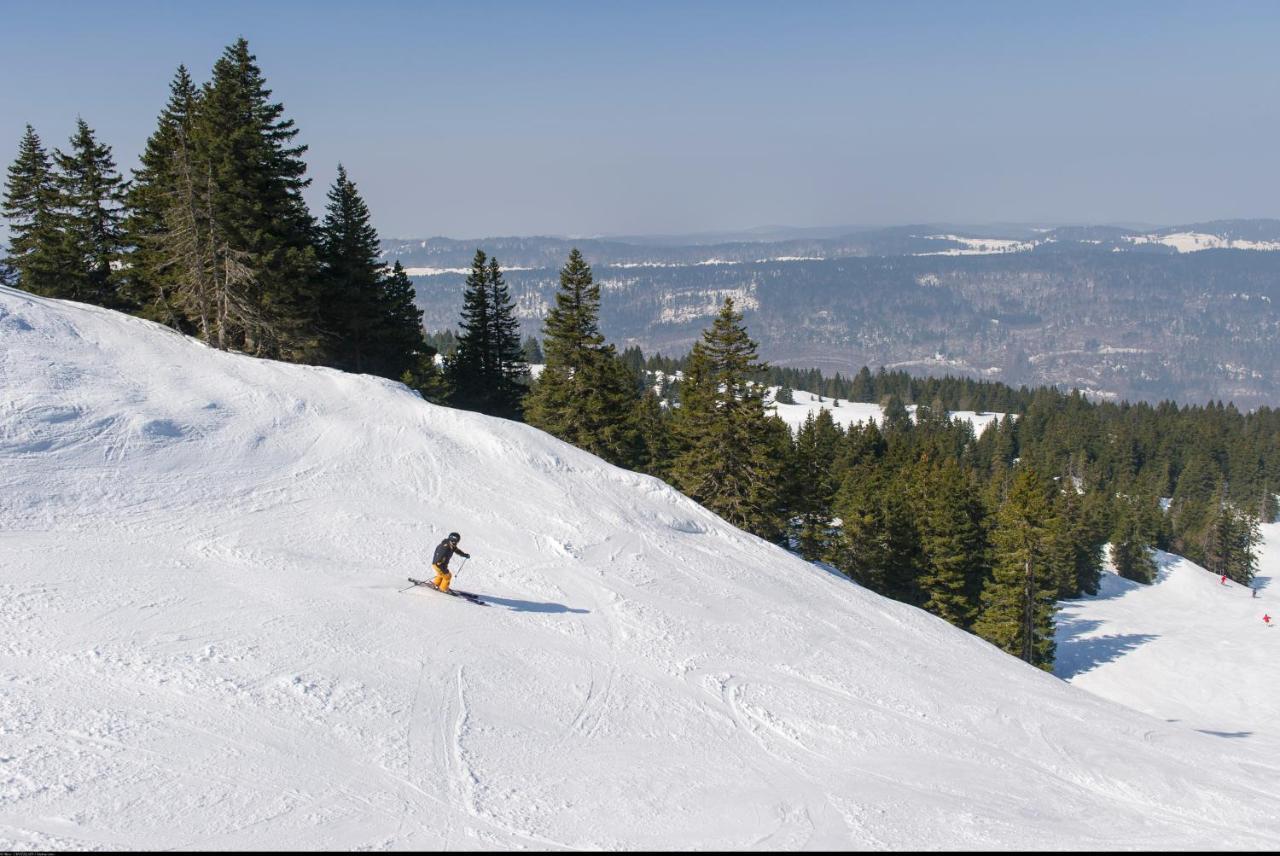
point(476, 119)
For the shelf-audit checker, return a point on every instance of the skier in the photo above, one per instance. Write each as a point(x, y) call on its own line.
point(1224, 579)
point(440, 561)
point(1255, 591)
point(1266, 619)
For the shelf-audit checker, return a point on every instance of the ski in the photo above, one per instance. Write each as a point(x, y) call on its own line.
point(465, 595)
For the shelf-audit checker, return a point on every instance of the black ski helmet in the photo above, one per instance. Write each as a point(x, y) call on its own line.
point(455, 537)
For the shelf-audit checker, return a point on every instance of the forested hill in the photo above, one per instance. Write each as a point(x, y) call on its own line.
point(1147, 323)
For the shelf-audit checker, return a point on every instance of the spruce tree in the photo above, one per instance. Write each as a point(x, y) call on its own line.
point(953, 539)
point(532, 351)
point(1132, 540)
point(29, 207)
point(858, 546)
point(727, 461)
point(1018, 601)
point(401, 343)
point(351, 308)
point(149, 281)
point(255, 174)
point(487, 372)
point(90, 197)
point(585, 395)
point(814, 483)
point(653, 424)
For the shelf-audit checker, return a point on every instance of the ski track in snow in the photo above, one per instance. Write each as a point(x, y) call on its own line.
point(203, 645)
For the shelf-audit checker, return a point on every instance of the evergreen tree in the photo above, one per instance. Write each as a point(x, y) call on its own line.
point(244, 150)
point(585, 395)
point(532, 351)
point(90, 196)
point(148, 280)
point(29, 207)
point(953, 539)
point(351, 309)
point(1132, 540)
point(726, 460)
point(653, 425)
point(212, 282)
point(857, 548)
point(814, 483)
point(401, 344)
point(487, 372)
point(1018, 601)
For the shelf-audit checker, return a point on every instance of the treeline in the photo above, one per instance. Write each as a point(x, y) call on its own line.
point(210, 234)
point(954, 393)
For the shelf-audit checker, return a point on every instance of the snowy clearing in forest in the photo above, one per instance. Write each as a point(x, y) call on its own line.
point(848, 413)
point(203, 644)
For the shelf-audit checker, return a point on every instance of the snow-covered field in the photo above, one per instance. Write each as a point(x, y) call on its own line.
point(850, 412)
point(202, 645)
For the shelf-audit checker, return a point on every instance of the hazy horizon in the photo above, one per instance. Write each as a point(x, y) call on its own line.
point(575, 119)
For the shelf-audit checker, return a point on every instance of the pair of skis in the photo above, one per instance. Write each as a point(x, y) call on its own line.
point(465, 595)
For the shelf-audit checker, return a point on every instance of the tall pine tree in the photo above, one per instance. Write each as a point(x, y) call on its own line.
point(149, 280)
point(255, 174)
point(30, 208)
point(487, 371)
point(727, 459)
point(1018, 601)
point(90, 198)
point(351, 308)
point(585, 395)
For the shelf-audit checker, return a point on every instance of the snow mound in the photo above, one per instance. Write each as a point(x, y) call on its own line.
point(202, 645)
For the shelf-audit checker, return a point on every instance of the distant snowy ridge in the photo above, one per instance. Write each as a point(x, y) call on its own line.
point(202, 644)
point(1190, 242)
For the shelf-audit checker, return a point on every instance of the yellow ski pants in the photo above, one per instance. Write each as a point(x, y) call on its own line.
point(442, 578)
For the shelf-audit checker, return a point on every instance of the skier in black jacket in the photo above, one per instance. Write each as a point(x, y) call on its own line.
point(440, 561)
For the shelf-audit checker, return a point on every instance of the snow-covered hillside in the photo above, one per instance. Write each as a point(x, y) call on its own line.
point(202, 644)
point(1188, 648)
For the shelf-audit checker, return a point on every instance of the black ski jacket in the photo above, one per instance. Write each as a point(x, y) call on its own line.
point(444, 552)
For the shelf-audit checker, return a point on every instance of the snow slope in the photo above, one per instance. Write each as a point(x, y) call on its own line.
point(202, 644)
point(1187, 649)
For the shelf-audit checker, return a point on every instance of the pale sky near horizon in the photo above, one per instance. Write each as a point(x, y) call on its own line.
point(485, 118)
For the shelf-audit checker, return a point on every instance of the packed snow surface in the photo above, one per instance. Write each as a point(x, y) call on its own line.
point(1189, 648)
point(203, 646)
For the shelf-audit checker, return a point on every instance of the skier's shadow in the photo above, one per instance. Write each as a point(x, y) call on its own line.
point(531, 605)
point(1225, 733)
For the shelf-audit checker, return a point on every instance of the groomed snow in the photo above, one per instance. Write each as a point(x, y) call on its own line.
point(202, 645)
point(1187, 649)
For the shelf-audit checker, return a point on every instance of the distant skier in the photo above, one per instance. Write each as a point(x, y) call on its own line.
point(1224, 579)
point(1266, 619)
point(1255, 591)
point(440, 561)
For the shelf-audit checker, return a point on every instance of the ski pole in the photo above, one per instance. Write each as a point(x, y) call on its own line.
point(463, 565)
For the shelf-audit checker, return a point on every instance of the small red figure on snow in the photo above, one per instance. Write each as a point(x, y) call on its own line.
point(1266, 619)
point(1224, 579)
